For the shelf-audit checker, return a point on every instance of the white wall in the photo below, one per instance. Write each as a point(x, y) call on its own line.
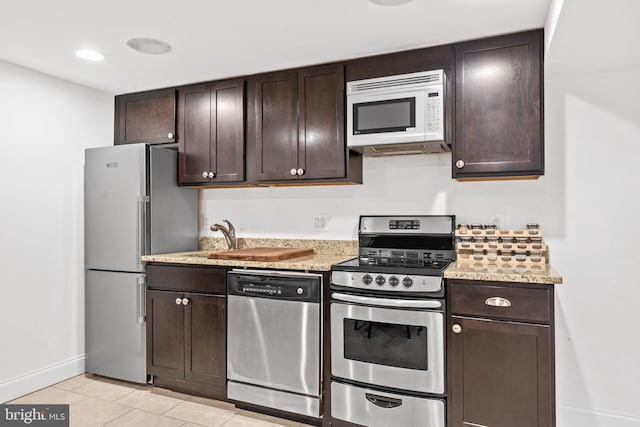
point(592, 91)
point(597, 331)
point(46, 124)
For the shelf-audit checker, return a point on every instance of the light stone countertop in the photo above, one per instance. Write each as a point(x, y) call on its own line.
point(519, 275)
point(326, 253)
point(315, 262)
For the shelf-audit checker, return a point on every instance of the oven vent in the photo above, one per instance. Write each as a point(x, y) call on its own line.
point(439, 256)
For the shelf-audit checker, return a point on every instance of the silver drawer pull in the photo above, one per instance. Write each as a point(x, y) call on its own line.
point(383, 401)
point(498, 302)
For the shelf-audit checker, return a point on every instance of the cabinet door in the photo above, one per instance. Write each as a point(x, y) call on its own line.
point(276, 98)
point(165, 334)
point(227, 131)
point(205, 342)
point(501, 374)
point(148, 117)
point(499, 129)
point(322, 150)
point(194, 134)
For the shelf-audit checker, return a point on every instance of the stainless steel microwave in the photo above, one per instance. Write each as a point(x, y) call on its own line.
point(401, 114)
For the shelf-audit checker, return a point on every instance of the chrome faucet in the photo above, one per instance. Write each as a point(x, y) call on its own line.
point(229, 234)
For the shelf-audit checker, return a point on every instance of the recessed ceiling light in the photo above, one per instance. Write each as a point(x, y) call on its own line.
point(146, 45)
point(390, 2)
point(89, 55)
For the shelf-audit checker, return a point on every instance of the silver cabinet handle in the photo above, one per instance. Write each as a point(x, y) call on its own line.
point(205, 174)
point(300, 171)
point(185, 301)
point(498, 302)
point(456, 328)
point(460, 164)
point(170, 135)
point(211, 174)
point(178, 301)
point(293, 171)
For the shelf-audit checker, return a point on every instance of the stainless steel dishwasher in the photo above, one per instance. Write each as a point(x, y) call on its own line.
point(274, 333)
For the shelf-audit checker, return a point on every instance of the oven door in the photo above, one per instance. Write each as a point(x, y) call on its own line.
point(388, 342)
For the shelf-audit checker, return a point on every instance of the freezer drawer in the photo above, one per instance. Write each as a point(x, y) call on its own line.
point(115, 325)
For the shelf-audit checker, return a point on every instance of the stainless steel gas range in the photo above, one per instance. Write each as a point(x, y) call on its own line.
point(387, 323)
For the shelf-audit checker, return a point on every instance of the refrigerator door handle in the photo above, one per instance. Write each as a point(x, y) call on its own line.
point(138, 231)
point(141, 229)
point(141, 308)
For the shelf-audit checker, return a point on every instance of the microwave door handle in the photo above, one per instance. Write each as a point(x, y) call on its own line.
point(386, 302)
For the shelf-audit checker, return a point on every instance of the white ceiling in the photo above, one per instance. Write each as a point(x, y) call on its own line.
point(214, 39)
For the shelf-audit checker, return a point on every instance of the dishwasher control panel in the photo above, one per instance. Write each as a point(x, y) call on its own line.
point(295, 287)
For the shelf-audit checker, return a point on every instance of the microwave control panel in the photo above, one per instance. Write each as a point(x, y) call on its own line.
point(434, 112)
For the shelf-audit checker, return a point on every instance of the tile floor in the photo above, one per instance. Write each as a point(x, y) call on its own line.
point(97, 401)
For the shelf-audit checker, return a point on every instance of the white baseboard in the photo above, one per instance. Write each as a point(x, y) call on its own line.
point(20, 385)
point(568, 416)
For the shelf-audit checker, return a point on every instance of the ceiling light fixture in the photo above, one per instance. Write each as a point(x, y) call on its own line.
point(89, 55)
point(151, 46)
point(390, 2)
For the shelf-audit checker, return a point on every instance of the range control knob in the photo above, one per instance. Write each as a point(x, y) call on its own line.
point(393, 281)
point(367, 279)
point(407, 282)
point(380, 280)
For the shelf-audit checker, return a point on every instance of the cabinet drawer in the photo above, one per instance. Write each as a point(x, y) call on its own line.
point(187, 278)
point(513, 303)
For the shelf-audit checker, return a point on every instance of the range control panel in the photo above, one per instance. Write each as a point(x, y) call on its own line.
point(389, 282)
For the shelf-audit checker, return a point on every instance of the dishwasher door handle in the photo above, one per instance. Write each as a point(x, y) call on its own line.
point(386, 302)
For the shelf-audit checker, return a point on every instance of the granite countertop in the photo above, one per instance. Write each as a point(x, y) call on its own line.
point(315, 262)
point(326, 253)
point(546, 275)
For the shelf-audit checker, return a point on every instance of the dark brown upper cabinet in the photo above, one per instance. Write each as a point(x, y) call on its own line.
point(499, 117)
point(299, 126)
point(148, 117)
point(211, 140)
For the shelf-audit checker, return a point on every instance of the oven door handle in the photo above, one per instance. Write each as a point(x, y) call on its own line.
point(386, 302)
point(383, 401)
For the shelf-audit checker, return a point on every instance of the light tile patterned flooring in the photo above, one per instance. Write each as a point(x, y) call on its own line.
point(97, 401)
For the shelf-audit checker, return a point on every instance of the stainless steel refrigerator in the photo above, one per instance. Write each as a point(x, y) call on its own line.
point(133, 207)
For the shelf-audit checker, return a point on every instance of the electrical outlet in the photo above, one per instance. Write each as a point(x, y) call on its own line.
point(498, 220)
point(320, 223)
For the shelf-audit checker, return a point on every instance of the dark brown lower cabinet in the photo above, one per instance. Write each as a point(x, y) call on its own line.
point(501, 364)
point(186, 331)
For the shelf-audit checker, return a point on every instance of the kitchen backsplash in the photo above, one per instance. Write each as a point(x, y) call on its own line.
point(320, 247)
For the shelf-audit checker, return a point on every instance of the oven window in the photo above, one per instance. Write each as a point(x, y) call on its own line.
point(384, 116)
point(402, 346)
